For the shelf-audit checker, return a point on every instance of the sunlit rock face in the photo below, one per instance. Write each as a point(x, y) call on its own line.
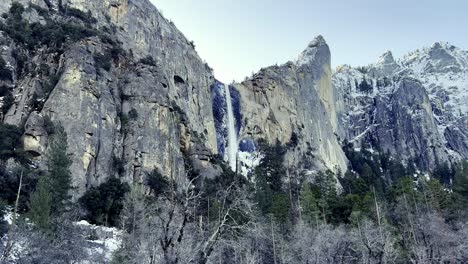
point(294, 104)
point(136, 117)
point(130, 119)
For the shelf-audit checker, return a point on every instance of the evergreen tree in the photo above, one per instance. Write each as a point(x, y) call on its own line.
point(443, 173)
point(105, 202)
point(51, 193)
point(59, 175)
point(310, 211)
point(365, 87)
point(280, 208)
point(272, 166)
point(436, 197)
point(269, 175)
point(10, 143)
point(41, 205)
point(157, 183)
point(263, 192)
point(460, 184)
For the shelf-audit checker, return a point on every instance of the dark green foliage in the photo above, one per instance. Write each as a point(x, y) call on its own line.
point(460, 184)
point(116, 51)
point(293, 142)
point(105, 202)
point(20, 59)
point(263, 192)
point(124, 120)
point(158, 184)
point(7, 102)
point(365, 87)
point(133, 114)
point(271, 165)
point(118, 164)
point(10, 142)
point(59, 175)
point(269, 175)
point(443, 173)
point(41, 205)
point(103, 61)
point(33, 35)
point(51, 197)
point(9, 182)
point(85, 17)
point(4, 90)
point(328, 207)
point(16, 10)
point(280, 207)
point(384, 82)
point(309, 204)
point(51, 194)
point(5, 73)
point(148, 60)
point(375, 169)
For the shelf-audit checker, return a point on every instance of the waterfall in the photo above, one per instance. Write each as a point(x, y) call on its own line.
point(231, 151)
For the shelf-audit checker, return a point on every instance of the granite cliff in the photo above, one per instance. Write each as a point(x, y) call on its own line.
point(134, 96)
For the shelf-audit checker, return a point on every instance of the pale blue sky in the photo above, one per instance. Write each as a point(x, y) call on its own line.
point(238, 37)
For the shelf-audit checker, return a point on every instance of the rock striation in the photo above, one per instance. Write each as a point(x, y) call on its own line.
point(134, 96)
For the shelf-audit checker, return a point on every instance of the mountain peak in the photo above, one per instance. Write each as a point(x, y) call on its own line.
point(386, 58)
point(317, 41)
point(442, 45)
point(310, 52)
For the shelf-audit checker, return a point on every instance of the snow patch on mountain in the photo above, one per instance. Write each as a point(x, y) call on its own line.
point(442, 69)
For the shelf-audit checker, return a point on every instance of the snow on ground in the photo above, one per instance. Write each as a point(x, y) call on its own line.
point(108, 240)
point(248, 161)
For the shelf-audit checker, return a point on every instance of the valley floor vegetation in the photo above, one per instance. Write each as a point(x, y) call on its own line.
point(380, 211)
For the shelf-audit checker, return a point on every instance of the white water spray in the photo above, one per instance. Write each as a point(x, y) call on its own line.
point(232, 135)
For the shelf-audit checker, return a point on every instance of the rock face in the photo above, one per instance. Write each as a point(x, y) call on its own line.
point(415, 107)
point(294, 105)
point(129, 119)
point(134, 96)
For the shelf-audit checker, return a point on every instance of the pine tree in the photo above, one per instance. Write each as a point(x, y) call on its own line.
point(280, 208)
point(41, 205)
point(105, 202)
point(51, 193)
point(263, 193)
point(59, 175)
point(272, 165)
point(435, 195)
point(460, 184)
point(10, 143)
point(310, 211)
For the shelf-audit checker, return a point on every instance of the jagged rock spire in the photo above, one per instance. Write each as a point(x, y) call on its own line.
point(309, 54)
point(386, 58)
